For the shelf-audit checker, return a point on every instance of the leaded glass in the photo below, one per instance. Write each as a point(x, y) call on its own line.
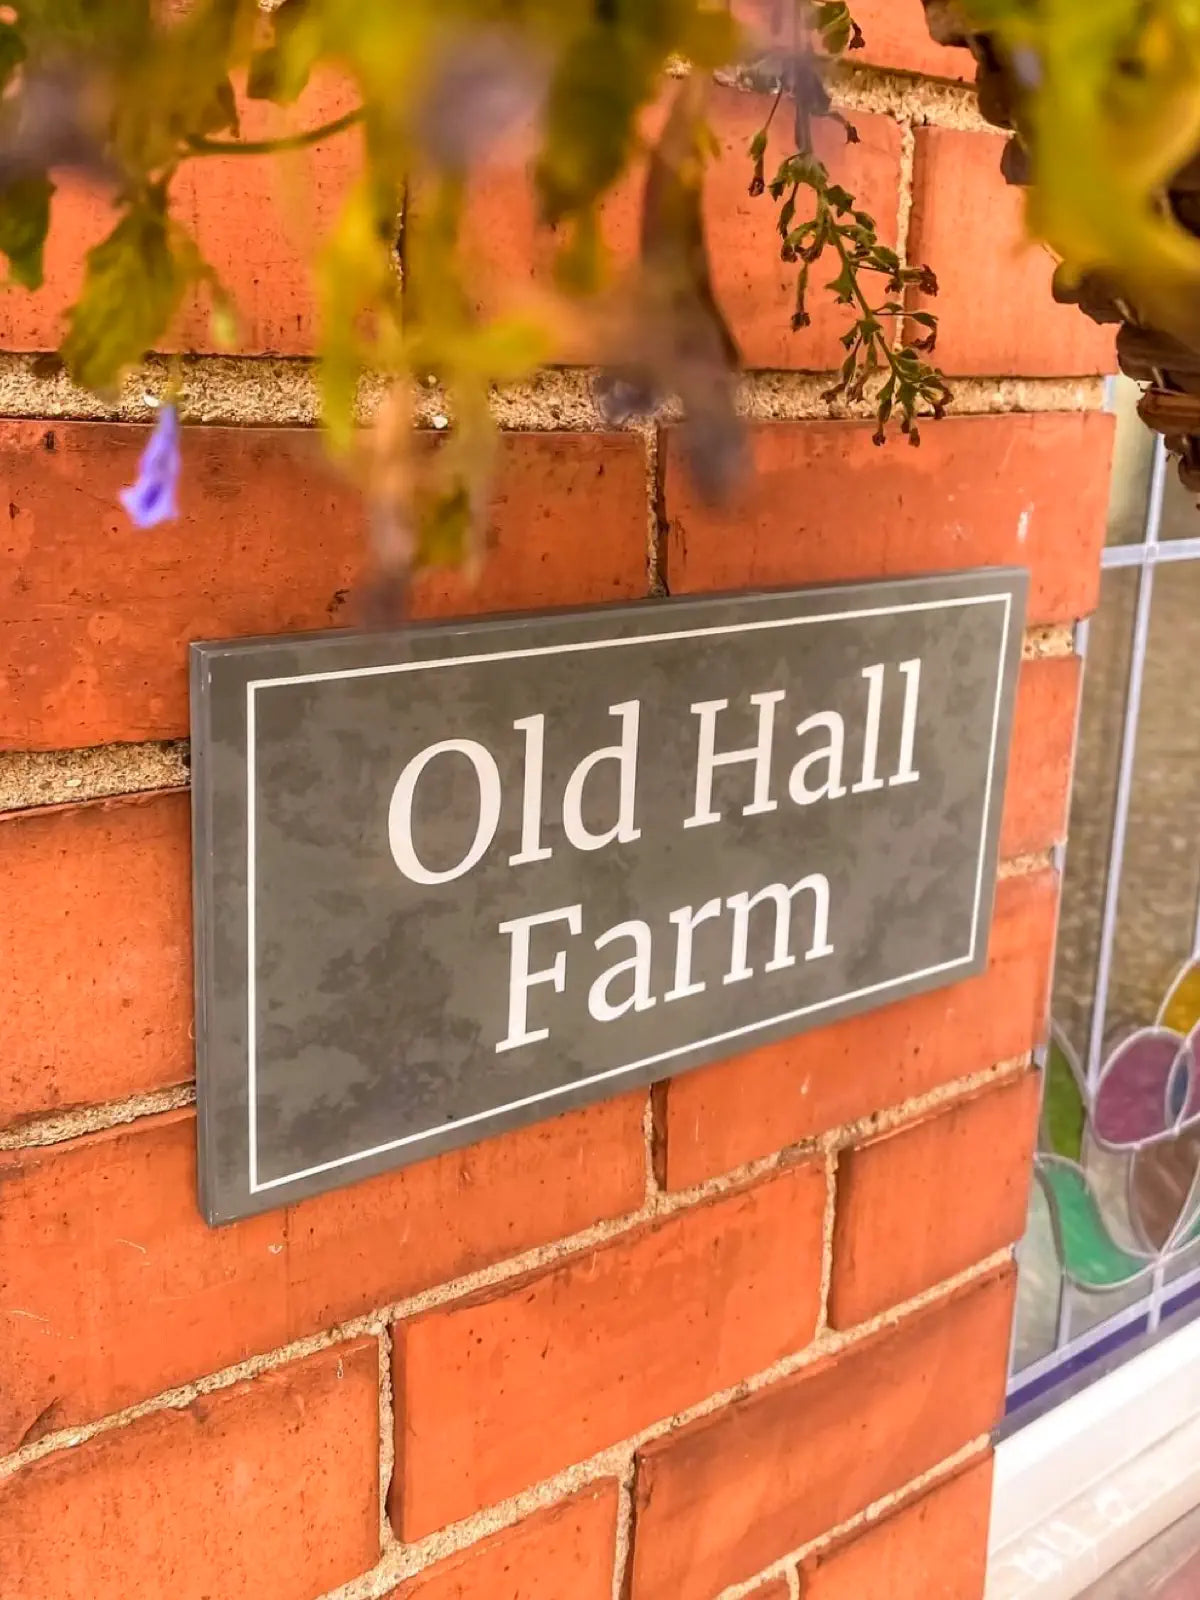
point(1112, 1244)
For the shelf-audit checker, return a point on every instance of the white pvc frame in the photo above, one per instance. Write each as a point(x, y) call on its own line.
point(1145, 557)
point(1106, 1470)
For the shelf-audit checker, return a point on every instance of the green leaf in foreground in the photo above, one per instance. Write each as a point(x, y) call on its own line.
point(134, 284)
point(24, 223)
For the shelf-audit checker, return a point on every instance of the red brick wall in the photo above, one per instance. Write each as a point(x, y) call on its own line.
point(747, 1330)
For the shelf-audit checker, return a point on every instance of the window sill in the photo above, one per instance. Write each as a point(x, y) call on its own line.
point(1089, 1483)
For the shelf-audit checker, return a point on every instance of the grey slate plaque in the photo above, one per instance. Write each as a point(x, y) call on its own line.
point(469, 875)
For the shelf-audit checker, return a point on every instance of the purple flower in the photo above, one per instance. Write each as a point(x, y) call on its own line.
point(151, 499)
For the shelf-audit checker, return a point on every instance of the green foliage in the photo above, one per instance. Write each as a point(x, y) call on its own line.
point(134, 284)
point(280, 70)
point(838, 228)
point(127, 92)
point(608, 71)
point(1107, 96)
point(24, 223)
point(836, 28)
point(903, 385)
point(601, 81)
point(12, 51)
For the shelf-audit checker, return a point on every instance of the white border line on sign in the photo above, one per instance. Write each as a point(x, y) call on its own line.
point(646, 1061)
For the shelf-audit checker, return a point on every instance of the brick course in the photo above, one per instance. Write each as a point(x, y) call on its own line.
point(564, 1553)
point(891, 1559)
point(995, 312)
point(103, 1234)
point(826, 505)
point(289, 199)
point(730, 1494)
point(99, 614)
point(95, 943)
point(494, 1395)
point(279, 1477)
point(755, 288)
point(922, 1203)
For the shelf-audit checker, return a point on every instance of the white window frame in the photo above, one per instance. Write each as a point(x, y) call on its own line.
point(1093, 1480)
point(1090, 1482)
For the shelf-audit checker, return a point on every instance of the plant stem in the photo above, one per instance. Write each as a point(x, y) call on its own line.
point(774, 108)
point(198, 145)
point(839, 245)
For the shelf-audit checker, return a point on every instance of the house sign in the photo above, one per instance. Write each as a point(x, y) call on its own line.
point(460, 877)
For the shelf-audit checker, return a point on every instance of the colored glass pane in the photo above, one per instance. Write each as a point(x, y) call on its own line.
point(1132, 1102)
point(1181, 1009)
point(1162, 1182)
point(1089, 1254)
point(1063, 1109)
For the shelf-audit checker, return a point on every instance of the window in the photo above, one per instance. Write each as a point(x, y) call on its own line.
point(1111, 1255)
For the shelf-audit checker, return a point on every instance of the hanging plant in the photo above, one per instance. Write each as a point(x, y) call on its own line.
point(1104, 98)
point(128, 94)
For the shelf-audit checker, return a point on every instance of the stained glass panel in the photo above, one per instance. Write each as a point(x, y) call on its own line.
point(1039, 1286)
point(1113, 1237)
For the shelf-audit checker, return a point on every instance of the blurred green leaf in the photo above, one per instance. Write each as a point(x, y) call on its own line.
point(280, 70)
point(135, 281)
point(12, 50)
point(112, 28)
point(356, 291)
point(1107, 94)
point(24, 222)
point(600, 83)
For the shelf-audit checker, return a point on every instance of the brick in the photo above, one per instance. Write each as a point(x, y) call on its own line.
point(995, 309)
point(292, 199)
point(103, 1234)
point(564, 1553)
point(722, 1499)
point(277, 1476)
point(754, 288)
point(95, 945)
point(501, 1392)
point(934, 1548)
point(97, 615)
point(1038, 791)
point(895, 36)
point(823, 504)
point(719, 1117)
point(926, 1201)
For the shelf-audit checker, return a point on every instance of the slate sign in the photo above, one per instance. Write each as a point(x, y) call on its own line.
point(469, 875)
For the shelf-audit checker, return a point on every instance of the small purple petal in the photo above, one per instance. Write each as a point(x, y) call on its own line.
point(152, 499)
